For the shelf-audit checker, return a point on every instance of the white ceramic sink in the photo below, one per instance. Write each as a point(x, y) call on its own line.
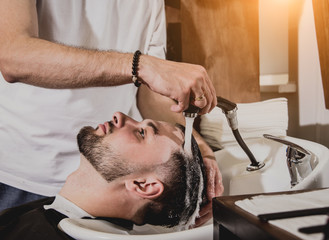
point(83, 229)
point(274, 177)
point(237, 180)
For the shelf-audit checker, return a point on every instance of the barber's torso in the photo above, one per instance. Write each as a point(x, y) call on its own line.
point(38, 126)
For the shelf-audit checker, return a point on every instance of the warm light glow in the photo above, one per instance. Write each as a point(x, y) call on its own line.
point(281, 1)
point(273, 38)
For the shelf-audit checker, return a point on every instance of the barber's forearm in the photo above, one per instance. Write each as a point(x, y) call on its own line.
point(24, 57)
point(152, 105)
point(45, 64)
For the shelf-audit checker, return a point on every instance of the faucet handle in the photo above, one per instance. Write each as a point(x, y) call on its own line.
point(298, 160)
point(292, 145)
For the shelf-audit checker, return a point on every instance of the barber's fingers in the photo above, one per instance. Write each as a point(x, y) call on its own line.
point(214, 100)
point(210, 184)
point(205, 209)
point(197, 89)
point(200, 98)
point(219, 188)
point(200, 221)
point(182, 103)
point(216, 184)
point(210, 94)
point(179, 107)
point(190, 92)
point(204, 95)
point(178, 81)
point(213, 190)
point(203, 99)
point(214, 179)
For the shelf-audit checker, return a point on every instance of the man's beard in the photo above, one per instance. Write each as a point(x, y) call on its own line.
point(101, 156)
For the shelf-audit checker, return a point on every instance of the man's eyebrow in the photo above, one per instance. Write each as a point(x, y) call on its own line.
point(154, 128)
point(180, 127)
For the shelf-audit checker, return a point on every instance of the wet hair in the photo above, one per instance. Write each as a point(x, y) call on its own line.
point(185, 188)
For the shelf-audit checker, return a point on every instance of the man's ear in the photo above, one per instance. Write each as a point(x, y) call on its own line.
point(148, 187)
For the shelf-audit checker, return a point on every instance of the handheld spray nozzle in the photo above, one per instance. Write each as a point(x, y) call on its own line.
point(191, 111)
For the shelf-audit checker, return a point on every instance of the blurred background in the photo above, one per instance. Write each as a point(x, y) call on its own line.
point(255, 50)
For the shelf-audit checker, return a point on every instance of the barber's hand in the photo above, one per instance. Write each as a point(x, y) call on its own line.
point(214, 177)
point(215, 187)
point(183, 82)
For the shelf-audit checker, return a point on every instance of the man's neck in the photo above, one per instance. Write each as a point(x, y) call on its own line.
point(67, 208)
point(88, 190)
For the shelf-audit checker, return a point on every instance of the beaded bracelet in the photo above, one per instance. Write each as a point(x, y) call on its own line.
point(135, 68)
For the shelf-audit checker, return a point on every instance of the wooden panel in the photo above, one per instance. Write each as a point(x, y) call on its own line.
point(222, 36)
point(321, 17)
point(174, 40)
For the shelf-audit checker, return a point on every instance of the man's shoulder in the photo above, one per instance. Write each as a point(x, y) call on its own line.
point(19, 210)
point(31, 221)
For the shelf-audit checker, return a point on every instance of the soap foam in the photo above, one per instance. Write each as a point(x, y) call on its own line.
point(187, 223)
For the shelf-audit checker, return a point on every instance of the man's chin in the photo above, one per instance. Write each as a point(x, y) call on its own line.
point(85, 136)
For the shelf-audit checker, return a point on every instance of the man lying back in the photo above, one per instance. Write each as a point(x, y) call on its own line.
point(134, 171)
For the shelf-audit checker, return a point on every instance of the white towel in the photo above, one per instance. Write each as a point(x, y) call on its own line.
point(254, 120)
point(262, 204)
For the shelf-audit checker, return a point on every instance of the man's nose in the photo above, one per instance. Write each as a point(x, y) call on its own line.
point(118, 119)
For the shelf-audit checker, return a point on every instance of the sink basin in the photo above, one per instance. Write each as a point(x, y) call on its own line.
point(274, 177)
point(86, 229)
point(232, 161)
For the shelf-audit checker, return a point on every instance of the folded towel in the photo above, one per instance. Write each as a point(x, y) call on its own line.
point(254, 120)
point(263, 204)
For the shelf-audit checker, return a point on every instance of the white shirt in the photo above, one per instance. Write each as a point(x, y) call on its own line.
point(72, 211)
point(68, 208)
point(38, 126)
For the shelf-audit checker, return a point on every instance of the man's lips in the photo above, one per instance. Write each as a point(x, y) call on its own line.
point(105, 127)
point(101, 126)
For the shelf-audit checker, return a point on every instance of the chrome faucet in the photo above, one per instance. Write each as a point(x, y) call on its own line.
point(230, 110)
point(298, 160)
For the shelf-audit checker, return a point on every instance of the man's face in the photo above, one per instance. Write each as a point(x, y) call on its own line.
point(138, 143)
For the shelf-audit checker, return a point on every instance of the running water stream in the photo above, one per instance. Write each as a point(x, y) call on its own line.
point(188, 134)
